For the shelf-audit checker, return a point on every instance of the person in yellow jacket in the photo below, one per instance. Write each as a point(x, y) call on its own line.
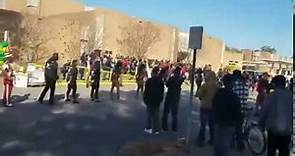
point(206, 94)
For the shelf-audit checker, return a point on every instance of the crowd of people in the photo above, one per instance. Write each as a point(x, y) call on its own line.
point(223, 96)
point(223, 105)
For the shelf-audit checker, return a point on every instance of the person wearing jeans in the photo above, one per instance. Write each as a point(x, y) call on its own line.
point(172, 99)
point(153, 119)
point(153, 96)
point(51, 76)
point(276, 117)
point(206, 93)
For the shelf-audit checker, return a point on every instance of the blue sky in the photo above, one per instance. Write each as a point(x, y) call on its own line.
point(240, 23)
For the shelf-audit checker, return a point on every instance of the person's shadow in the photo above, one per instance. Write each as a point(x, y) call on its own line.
point(18, 98)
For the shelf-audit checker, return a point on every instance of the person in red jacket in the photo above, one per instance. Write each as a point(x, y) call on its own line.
point(8, 79)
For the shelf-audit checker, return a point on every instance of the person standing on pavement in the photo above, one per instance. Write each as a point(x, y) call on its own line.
point(65, 69)
point(152, 97)
point(51, 77)
point(276, 117)
point(116, 75)
point(227, 115)
point(71, 79)
point(199, 78)
point(172, 99)
point(206, 95)
point(8, 81)
point(240, 87)
point(94, 78)
point(262, 89)
point(141, 76)
point(291, 85)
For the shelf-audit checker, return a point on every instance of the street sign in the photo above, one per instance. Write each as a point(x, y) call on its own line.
point(195, 37)
point(195, 43)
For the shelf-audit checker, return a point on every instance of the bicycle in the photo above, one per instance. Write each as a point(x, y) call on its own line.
point(252, 134)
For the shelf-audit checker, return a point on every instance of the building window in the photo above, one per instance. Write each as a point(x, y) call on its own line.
point(33, 3)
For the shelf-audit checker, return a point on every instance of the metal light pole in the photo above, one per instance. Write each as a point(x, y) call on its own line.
point(195, 43)
point(190, 108)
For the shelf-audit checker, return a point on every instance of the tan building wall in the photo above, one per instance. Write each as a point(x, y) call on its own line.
point(212, 52)
point(234, 57)
point(247, 55)
point(56, 7)
point(47, 7)
point(166, 48)
point(265, 55)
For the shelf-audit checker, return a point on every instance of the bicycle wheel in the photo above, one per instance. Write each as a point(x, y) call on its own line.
point(256, 140)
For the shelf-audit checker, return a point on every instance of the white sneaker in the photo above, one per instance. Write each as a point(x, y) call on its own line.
point(148, 131)
point(157, 132)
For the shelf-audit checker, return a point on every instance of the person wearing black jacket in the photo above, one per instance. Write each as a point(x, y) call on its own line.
point(51, 77)
point(199, 79)
point(95, 80)
point(65, 68)
point(227, 115)
point(172, 99)
point(71, 78)
point(291, 85)
point(153, 96)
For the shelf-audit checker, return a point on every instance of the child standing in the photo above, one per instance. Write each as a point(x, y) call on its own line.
point(116, 79)
point(94, 78)
point(71, 78)
point(8, 80)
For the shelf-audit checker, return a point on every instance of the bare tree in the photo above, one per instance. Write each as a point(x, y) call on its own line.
point(70, 36)
point(34, 37)
point(138, 38)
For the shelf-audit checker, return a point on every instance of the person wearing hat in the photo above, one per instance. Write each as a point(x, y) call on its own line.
point(172, 99)
point(51, 76)
point(94, 78)
point(71, 79)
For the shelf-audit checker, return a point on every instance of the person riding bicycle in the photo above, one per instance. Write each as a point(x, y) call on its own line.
point(240, 87)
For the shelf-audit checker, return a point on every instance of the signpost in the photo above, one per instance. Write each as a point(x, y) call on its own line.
point(195, 43)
